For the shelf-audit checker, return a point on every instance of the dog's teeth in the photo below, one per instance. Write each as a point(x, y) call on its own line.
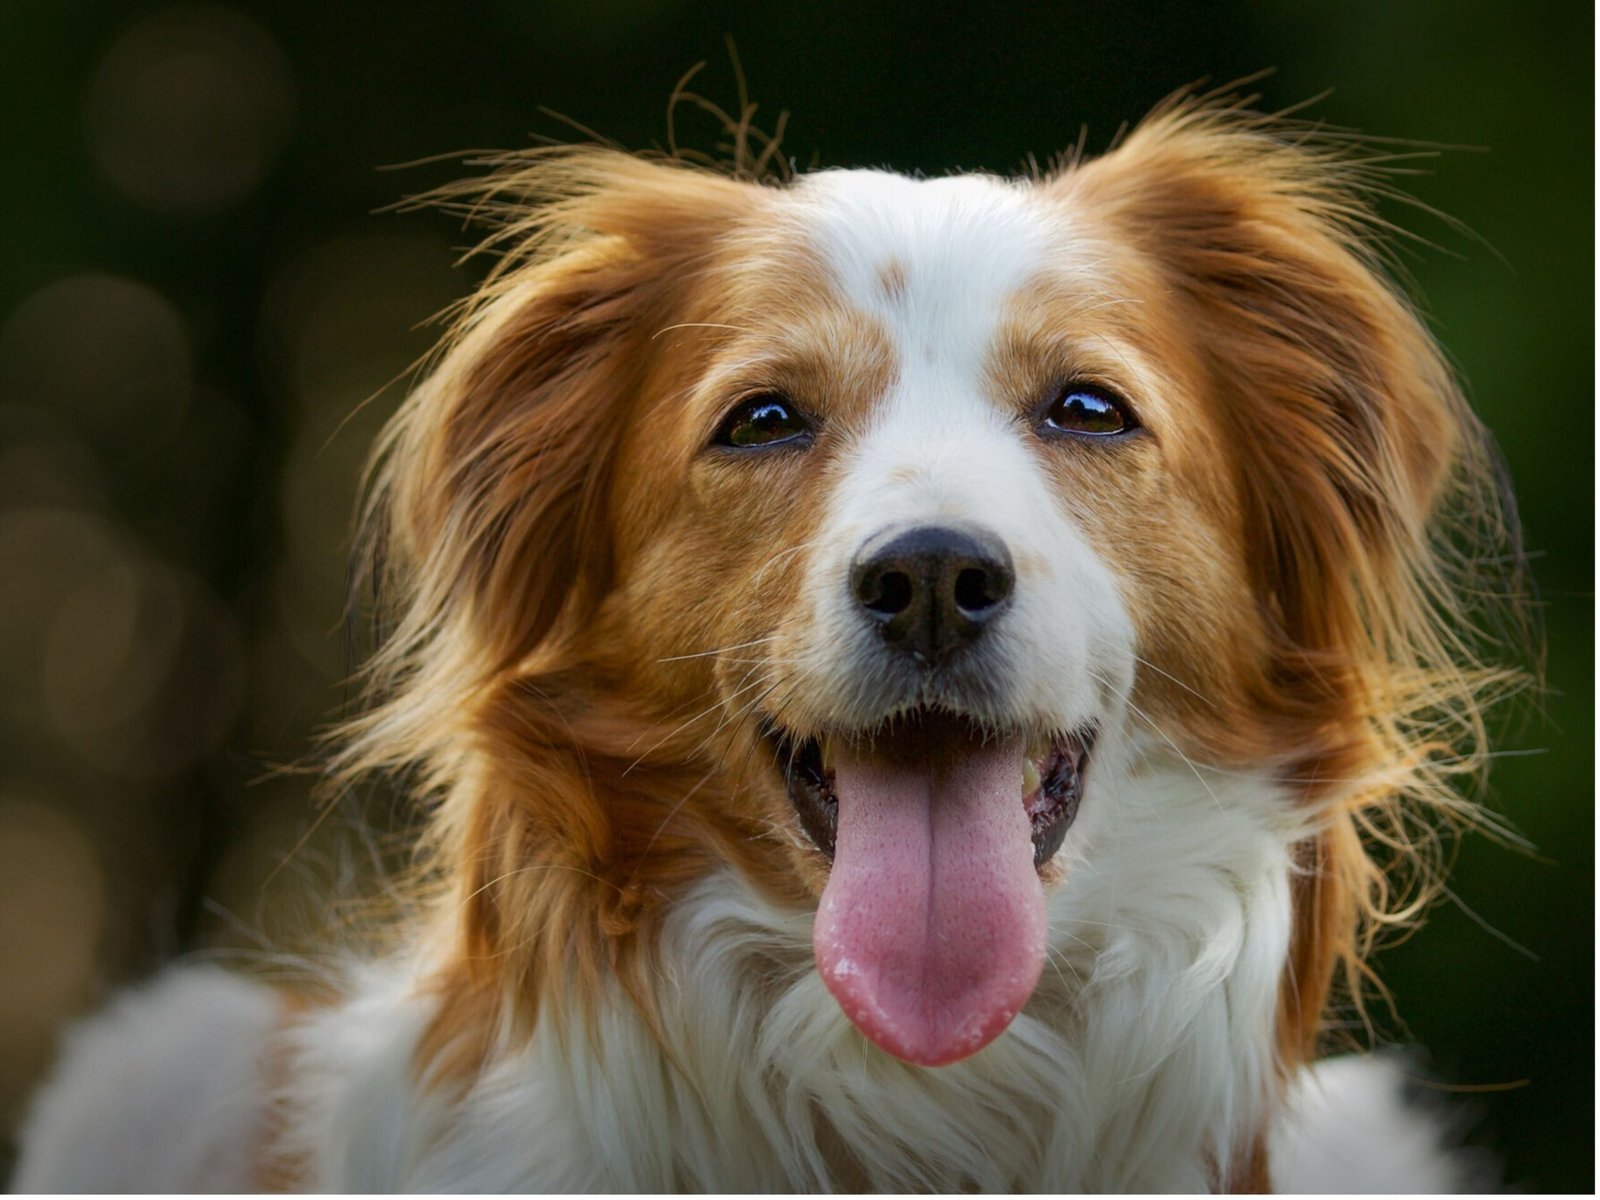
point(1030, 776)
point(827, 755)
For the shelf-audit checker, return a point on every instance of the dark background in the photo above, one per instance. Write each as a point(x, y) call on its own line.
point(196, 295)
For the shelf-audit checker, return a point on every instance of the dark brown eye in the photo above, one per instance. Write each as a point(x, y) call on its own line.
point(1088, 412)
point(765, 420)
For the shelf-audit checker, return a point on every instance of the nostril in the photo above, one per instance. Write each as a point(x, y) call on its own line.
point(933, 589)
point(977, 590)
point(889, 593)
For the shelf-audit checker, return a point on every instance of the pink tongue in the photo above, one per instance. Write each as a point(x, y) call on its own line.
point(931, 930)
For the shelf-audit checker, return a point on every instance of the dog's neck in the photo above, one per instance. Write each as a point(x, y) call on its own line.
point(1145, 1061)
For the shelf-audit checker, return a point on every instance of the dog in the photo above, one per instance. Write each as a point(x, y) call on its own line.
point(915, 684)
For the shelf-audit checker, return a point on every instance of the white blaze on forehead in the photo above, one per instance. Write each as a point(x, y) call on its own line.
point(934, 264)
point(935, 261)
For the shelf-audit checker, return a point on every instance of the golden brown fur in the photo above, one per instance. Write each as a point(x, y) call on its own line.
point(557, 572)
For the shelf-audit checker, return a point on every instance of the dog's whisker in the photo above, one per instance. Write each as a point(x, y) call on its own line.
point(534, 869)
point(677, 807)
point(1056, 961)
point(783, 556)
point(1168, 675)
point(697, 325)
point(760, 641)
point(700, 716)
point(1176, 749)
point(1118, 925)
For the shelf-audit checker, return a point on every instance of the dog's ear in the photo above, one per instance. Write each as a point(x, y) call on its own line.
point(495, 472)
point(487, 524)
point(1356, 460)
point(1345, 418)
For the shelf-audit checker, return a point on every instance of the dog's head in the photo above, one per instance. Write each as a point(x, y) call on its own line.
point(865, 531)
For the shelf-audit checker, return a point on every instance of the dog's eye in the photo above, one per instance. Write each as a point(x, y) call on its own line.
point(764, 420)
point(1089, 412)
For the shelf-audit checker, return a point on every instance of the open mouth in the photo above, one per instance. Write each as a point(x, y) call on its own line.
point(1050, 784)
point(931, 931)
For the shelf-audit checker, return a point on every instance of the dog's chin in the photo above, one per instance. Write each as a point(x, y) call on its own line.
point(930, 930)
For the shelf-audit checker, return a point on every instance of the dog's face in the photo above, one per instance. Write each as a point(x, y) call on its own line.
point(942, 479)
point(904, 515)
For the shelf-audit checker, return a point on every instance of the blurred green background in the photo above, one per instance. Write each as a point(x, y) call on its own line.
point(196, 295)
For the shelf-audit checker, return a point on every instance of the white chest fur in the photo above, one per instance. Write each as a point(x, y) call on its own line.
point(1143, 1059)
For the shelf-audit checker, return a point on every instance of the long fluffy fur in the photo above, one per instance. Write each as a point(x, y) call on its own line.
point(607, 979)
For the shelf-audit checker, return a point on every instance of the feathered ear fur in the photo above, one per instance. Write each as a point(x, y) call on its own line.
point(489, 531)
point(487, 523)
point(1355, 453)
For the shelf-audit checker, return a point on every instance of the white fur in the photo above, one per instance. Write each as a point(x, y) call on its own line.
point(964, 245)
point(1349, 1128)
point(162, 1092)
point(1143, 1058)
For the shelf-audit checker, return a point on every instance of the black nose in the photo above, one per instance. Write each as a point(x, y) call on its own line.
point(933, 589)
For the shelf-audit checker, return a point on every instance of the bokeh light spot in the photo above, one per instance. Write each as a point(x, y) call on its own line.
point(189, 108)
point(107, 352)
point(109, 646)
point(46, 554)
